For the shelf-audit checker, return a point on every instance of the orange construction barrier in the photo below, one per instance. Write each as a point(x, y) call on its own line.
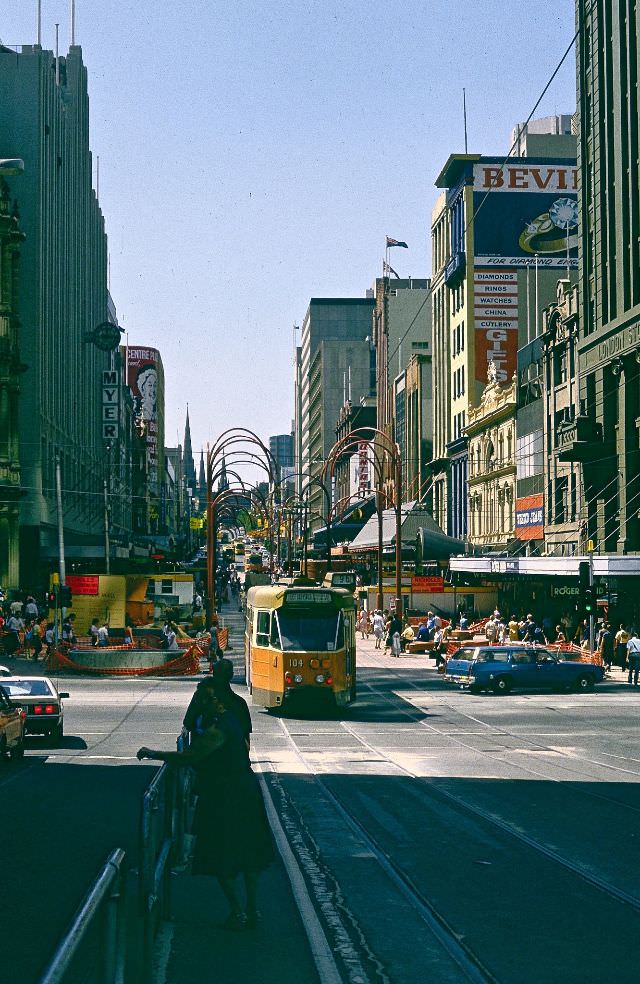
point(186, 664)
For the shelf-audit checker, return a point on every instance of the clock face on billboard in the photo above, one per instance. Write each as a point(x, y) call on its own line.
point(106, 336)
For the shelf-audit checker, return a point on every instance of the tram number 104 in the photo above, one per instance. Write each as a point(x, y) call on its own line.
point(293, 663)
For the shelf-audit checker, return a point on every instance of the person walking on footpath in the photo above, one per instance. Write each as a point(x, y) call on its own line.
point(633, 657)
point(363, 623)
point(621, 639)
point(232, 832)
point(606, 646)
point(378, 629)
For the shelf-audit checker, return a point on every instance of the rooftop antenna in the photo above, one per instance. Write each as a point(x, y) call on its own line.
point(73, 23)
point(39, 23)
point(464, 110)
point(57, 56)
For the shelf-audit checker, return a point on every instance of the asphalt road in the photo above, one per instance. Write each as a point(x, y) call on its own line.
point(438, 835)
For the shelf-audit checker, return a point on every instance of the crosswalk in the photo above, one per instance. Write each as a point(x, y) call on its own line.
point(234, 620)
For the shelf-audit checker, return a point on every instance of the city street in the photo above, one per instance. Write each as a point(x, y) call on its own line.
point(413, 823)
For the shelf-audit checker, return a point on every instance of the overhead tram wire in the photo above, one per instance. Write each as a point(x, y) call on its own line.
point(505, 161)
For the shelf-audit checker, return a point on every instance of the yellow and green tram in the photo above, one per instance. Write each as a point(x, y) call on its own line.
point(300, 642)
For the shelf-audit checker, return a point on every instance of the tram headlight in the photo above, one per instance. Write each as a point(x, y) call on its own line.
point(298, 678)
point(320, 678)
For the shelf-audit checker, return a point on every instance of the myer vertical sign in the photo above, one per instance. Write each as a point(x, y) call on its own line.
point(110, 405)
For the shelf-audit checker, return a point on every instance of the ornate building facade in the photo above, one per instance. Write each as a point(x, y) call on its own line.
point(492, 467)
point(563, 499)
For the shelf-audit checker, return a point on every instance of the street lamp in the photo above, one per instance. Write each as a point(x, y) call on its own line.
point(375, 438)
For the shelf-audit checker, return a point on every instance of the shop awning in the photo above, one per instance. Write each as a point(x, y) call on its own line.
point(608, 565)
point(412, 518)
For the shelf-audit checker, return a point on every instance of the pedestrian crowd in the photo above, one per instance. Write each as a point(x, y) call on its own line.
point(621, 648)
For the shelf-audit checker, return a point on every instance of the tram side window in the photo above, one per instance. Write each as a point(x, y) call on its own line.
point(275, 632)
point(263, 628)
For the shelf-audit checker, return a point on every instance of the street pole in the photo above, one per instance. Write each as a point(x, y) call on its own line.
point(304, 536)
point(398, 483)
point(107, 544)
point(61, 560)
point(380, 596)
point(591, 614)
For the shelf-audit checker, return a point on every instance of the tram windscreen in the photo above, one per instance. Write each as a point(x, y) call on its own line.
point(322, 633)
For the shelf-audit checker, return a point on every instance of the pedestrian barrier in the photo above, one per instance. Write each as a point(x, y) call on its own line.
point(101, 913)
point(186, 664)
point(101, 923)
point(166, 809)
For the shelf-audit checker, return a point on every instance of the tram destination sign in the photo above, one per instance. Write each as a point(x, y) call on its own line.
point(308, 598)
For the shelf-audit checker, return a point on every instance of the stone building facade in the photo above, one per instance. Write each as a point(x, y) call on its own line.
point(562, 421)
point(491, 433)
point(609, 258)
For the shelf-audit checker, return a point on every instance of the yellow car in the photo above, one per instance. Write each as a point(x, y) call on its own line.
point(12, 720)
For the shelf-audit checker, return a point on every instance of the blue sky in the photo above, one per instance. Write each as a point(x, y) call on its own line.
point(255, 154)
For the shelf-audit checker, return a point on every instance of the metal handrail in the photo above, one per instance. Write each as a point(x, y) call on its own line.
point(106, 890)
point(165, 814)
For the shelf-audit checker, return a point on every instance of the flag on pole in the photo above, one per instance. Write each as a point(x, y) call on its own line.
point(395, 242)
point(389, 269)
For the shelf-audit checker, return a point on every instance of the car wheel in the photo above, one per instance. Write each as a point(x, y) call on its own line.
point(584, 682)
point(17, 752)
point(502, 685)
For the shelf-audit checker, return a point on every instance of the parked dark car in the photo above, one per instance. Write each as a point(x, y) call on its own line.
point(501, 668)
point(42, 702)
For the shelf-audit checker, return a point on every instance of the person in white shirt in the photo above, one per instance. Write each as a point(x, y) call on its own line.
point(103, 635)
point(633, 657)
point(172, 640)
point(378, 629)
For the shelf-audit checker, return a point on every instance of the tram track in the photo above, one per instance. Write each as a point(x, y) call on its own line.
point(467, 956)
point(464, 958)
point(535, 746)
point(485, 815)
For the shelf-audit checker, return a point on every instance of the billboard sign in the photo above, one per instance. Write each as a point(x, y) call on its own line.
point(525, 213)
point(495, 298)
point(144, 375)
point(427, 585)
point(530, 517)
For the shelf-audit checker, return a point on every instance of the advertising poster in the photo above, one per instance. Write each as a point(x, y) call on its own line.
point(531, 211)
point(145, 378)
point(495, 298)
point(530, 517)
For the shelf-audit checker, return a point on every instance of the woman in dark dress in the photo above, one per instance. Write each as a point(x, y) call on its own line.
point(231, 827)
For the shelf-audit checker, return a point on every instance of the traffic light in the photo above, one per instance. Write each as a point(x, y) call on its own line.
point(52, 599)
point(589, 600)
point(583, 581)
point(65, 596)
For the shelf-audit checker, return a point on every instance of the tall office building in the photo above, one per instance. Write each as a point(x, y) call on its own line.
point(502, 233)
point(607, 432)
point(44, 119)
point(402, 338)
point(337, 362)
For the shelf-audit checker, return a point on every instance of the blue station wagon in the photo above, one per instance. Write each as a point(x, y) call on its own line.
point(501, 668)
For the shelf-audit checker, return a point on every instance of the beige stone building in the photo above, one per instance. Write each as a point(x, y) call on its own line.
point(491, 432)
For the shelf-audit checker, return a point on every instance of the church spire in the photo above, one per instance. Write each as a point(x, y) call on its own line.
point(187, 457)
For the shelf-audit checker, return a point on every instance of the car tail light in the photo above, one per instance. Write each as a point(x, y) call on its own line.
point(38, 709)
point(50, 709)
point(23, 714)
point(288, 679)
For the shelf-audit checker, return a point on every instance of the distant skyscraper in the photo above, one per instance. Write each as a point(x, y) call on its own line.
point(336, 365)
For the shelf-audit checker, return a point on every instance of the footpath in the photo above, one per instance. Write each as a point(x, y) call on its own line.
point(193, 946)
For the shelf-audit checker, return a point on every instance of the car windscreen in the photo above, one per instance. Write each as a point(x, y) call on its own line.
point(323, 633)
point(27, 688)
